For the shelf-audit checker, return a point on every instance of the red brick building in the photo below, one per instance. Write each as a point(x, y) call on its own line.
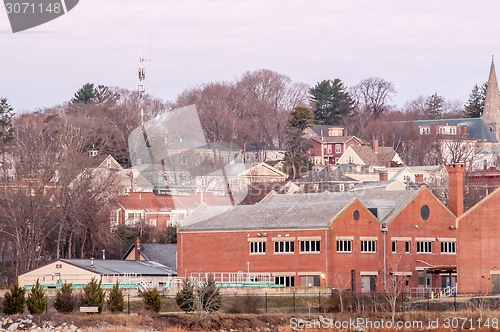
point(328, 239)
point(158, 210)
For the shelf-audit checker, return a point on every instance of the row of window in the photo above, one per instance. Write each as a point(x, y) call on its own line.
point(423, 247)
point(311, 246)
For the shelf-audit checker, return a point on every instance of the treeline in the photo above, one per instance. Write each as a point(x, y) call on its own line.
point(53, 205)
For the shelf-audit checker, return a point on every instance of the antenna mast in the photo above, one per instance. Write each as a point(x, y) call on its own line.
point(141, 87)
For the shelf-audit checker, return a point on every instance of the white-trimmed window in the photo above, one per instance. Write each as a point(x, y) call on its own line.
point(424, 247)
point(344, 245)
point(341, 187)
point(337, 148)
point(349, 160)
point(368, 246)
point(309, 246)
point(152, 222)
point(448, 247)
point(407, 247)
point(134, 216)
point(329, 148)
point(394, 246)
point(257, 247)
point(287, 281)
point(284, 246)
point(113, 218)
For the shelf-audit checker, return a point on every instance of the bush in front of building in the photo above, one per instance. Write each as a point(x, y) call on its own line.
point(93, 294)
point(65, 301)
point(185, 296)
point(152, 299)
point(36, 301)
point(14, 300)
point(245, 304)
point(116, 303)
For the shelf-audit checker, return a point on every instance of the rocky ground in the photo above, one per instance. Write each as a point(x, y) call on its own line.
point(146, 321)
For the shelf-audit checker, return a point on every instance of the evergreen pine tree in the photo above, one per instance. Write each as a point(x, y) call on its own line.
point(152, 299)
point(6, 127)
point(331, 101)
point(185, 296)
point(474, 107)
point(211, 295)
point(93, 294)
point(116, 303)
point(14, 300)
point(65, 300)
point(36, 301)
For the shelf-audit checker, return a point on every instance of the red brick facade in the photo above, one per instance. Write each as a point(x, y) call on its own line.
point(229, 251)
point(478, 247)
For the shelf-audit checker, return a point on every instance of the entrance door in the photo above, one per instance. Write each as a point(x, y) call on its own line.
point(368, 284)
point(495, 283)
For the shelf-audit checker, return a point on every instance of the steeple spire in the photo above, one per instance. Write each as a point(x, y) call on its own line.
point(491, 114)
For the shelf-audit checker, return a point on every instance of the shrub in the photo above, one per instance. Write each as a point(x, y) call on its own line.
point(93, 294)
point(13, 302)
point(37, 301)
point(248, 304)
point(116, 303)
point(65, 301)
point(210, 295)
point(185, 296)
point(152, 299)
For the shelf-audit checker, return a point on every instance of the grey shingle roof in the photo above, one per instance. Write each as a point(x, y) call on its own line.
point(386, 201)
point(476, 128)
point(162, 253)
point(264, 216)
point(111, 266)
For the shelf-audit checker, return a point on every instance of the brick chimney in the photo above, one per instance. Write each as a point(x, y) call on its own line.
point(383, 176)
point(375, 145)
point(419, 178)
point(456, 188)
point(345, 132)
point(137, 248)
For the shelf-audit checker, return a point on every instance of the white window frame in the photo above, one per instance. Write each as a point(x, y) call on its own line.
point(368, 246)
point(257, 247)
point(344, 246)
point(349, 160)
point(394, 247)
point(337, 148)
point(341, 187)
point(424, 247)
point(448, 247)
point(309, 246)
point(284, 246)
point(113, 218)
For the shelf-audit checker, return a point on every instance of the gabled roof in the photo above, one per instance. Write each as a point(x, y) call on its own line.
point(385, 201)
point(477, 205)
point(297, 216)
point(336, 139)
point(162, 253)
point(325, 175)
point(246, 169)
point(100, 159)
point(476, 128)
point(151, 202)
point(369, 157)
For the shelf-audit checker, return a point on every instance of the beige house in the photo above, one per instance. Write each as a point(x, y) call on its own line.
point(370, 155)
point(136, 275)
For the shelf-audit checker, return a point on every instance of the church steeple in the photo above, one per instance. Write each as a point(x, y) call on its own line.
point(491, 114)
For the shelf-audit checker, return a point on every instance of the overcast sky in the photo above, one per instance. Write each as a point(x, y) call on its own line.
point(423, 47)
